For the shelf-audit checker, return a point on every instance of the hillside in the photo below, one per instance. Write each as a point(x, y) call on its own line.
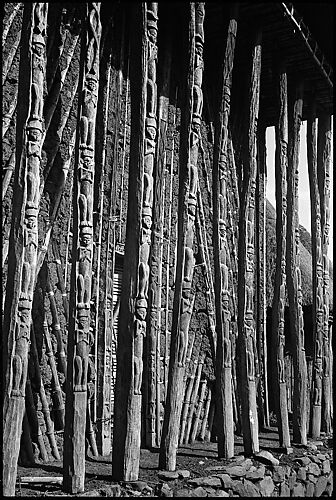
point(305, 259)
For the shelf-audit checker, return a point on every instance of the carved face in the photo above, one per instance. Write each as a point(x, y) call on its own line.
point(33, 134)
point(87, 162)
point(38, 49)
point(147, 221)
point(152, 33)
point(30, 221)
point(83, 322)
point(85, 239)
point(91, 84)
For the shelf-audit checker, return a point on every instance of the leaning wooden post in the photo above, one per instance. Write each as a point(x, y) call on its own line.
point(246, 284)
point(198, 411)
point(206, 415)
point(133, 302)
point(323, 174)
point(279, 297)
point(24, 235)
point(293, 274)
point(155, 272)
point(82, 253)
point(317, 271)
point(224, 412)
point(190, 130)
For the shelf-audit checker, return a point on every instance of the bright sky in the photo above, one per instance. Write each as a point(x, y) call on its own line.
point(304, 193)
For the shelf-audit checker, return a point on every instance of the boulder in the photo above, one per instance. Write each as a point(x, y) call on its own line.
point(266, 486)
point(166, 475)
point(226, 480)
point(303, 460)
point(165, 491)
point(310, 489)
point(313, 469)
point(256, 473)
point(298, 490)
point(111, 491)
point(266, 457)
point(320, 485)
point(326, 467)
point(212, 481)
point(292, 480)
point(198, 492)
point(183, 474)
point(302, 474)
point(278, 474)
point(284, 490)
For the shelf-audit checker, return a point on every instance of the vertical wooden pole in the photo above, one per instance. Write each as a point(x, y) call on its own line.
point(191, 116)
point(323, 174)
point(134, 297)
point(224, 412)
point(156, 257)
point(206, 415)
point(317, 271)
point(293, 273)
point(279, 297)
point(24, 235)
point(261, 277)
point(82, 254)
point(246, 272)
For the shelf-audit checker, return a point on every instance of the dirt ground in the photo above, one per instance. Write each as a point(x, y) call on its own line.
point(195, 458)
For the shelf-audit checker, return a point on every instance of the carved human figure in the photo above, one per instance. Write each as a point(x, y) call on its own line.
point(188, 267)
point(80, 373)
point(182, 337)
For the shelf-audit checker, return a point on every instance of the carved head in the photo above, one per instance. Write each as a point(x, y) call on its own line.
point(38, 45)
point(86, 235)
point(91, 82)
point(31, 218)
point(141, 308)
point(83, 320)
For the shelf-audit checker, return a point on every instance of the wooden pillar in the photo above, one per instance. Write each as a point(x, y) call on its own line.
point(190, 130)
point(317, 271)
point(80, 337)
point(293, 273)
point(156, 258)
point(261, 277)
point(323, 174)
point(23, 241)
point(279, 297)
point(134, 297)
point(246, 271)
point(224, 412)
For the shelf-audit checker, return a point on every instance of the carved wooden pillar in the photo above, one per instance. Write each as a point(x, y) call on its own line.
point(293, 273)
point(134, 297)
point(246, 271)
point(261, 277)
point(224, 412)
point(317, 274)
point(279, 297)
point(24, 235)
point(79, 340)
point(155, 274)
point(190, 130)
point(323, 174)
